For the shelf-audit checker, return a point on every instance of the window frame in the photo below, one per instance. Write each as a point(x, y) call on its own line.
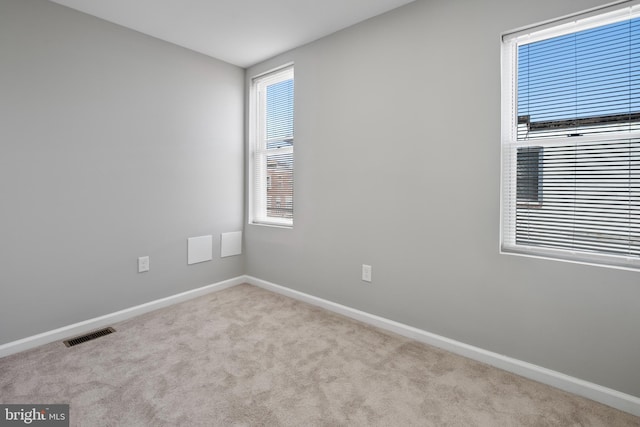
point(510, 143)
point(259, 180)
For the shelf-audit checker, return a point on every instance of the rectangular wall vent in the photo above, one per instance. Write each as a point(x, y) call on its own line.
point(88, 337)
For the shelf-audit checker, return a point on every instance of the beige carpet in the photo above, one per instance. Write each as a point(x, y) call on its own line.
point(248, 357)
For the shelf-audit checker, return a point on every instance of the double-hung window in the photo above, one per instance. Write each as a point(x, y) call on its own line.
point(571, 139)
point(271, 135)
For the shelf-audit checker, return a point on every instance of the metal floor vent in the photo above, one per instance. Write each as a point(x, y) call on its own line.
point(89, 337)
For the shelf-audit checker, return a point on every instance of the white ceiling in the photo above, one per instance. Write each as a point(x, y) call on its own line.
point(242, 32)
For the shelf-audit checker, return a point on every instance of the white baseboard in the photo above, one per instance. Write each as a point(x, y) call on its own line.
point(607, 396)
point(102, 321)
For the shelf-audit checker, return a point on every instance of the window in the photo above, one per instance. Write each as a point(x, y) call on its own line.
point(271, 129)
point(571, 139)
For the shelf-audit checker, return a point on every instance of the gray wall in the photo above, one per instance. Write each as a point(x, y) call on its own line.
point(398, 166)
point(113, 145)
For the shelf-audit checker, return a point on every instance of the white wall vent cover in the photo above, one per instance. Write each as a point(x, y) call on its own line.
point(199, 249)
point(230, 244)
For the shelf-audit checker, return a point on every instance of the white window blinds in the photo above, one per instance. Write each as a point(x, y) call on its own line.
point(571, 141)
point(272, 148)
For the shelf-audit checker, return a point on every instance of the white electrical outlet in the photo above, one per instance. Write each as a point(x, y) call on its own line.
point(366, 273)
point(143, 264)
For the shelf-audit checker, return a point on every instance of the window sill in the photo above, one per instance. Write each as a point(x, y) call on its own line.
point(594, 260)
point(271, 224)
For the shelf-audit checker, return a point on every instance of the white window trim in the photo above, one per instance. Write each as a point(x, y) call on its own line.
point(595, 17)
point(257, 200)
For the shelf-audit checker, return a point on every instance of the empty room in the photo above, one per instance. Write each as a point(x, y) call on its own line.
point(326, 213)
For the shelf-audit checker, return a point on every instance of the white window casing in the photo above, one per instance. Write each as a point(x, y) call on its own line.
point(271, 148)
point(571, 138)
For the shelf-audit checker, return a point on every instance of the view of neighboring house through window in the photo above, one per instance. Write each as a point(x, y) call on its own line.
point(529, 175)
point(571, 140)
point(272, 148)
